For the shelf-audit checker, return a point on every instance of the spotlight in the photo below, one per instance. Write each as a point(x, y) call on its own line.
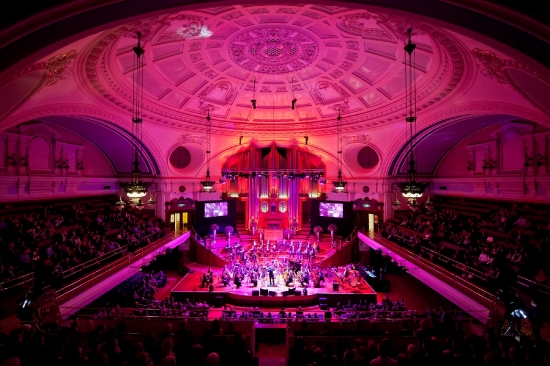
point(294, 103)
point(253, 101)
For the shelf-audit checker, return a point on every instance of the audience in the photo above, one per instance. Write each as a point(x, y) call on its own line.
point(503, 243)
point(52, 243)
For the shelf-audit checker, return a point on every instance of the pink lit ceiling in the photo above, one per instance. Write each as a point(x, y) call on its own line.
point(219, 59)
point(328, 58)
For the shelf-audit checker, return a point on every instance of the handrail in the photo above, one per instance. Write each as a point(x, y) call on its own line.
point(482, 276)
point(92, 262)
point(126, 260)
point(18, 281)
point(524, 281)
point(458, 280)
point(342, 314)
point(354, 231)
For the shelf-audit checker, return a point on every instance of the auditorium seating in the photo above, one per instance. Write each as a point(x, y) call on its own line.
point(62, 240)
point(457, 230)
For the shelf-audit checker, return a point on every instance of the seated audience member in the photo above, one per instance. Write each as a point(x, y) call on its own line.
point(405, 331)
point(304, 331)
point(383, 358)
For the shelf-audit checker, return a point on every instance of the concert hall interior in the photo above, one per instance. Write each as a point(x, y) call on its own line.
point(215, 182)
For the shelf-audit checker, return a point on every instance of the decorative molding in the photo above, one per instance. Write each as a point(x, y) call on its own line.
point(491, 63)
point(360, 138)
point(273, 49)
point(194, 139)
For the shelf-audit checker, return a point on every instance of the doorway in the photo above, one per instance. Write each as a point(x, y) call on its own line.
point(180, 220)
point(373, 220)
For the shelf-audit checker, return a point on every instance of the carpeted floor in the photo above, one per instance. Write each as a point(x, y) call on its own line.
point(271, 351)
point(417, 296)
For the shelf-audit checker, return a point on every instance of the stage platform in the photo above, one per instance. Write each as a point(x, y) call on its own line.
point(278, 295)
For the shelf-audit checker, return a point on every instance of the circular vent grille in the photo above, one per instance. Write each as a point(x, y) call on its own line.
point(367, 157)
point(180, 158)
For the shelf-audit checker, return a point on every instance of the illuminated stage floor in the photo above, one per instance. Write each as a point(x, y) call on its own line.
point(190, 287)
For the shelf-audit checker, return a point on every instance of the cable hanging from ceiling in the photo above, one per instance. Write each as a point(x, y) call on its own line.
point(340, 184)
point(136, 189)
point(208, 184)
point(411, 189)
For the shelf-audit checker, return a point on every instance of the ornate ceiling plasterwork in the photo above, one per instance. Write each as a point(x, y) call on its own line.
point(273, 50)
point(197, 61)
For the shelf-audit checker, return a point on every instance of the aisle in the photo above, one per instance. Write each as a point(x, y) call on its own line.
point(173, 277)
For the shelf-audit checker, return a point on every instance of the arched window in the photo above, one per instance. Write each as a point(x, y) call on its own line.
point(282, 206)
point(264, 206)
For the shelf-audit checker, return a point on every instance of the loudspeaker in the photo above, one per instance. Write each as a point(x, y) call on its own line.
point(263, 291)
point(328, 315)
point(272, 293)
point(297, 293)
point(211, 288)
point(255, 293)
point(285, 293)
point(335, 286)
point(218, 301)
point(291, 291)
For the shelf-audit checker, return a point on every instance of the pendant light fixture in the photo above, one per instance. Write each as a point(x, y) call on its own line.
point(340, 184)
point(253, 100)
point(208, 184)
point(136, 189)
point(411, 189)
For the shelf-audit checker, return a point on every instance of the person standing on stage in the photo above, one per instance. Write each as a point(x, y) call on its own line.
point(270, 270)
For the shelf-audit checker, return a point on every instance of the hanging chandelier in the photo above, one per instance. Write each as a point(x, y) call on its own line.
point(340, 184)
point(411, 189)
point(208, 184)
point(396, 203)
point(136, 189)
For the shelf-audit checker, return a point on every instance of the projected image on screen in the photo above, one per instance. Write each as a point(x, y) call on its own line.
point(214, 209)
point(329, 209)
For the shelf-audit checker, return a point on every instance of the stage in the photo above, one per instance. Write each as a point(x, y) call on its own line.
point(274, 295)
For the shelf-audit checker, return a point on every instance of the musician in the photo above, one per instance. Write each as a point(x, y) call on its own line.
point(311, 254)
point(292, 250)
point(270, 270)
point(237, 280)
point(289, 278)
point(207, 278)
point(316, 248)
point(304, 278)
point(254, 278)
point(226, 279)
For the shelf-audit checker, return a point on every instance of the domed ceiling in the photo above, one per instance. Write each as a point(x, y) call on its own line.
point(219, 59)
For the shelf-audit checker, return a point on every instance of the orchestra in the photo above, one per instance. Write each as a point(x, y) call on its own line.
point(297, 266)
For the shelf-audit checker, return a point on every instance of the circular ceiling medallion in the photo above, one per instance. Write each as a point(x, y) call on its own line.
point(273, 49)
point(367, 157)
point(366, 189)
point(180, 158)
point(182, 189)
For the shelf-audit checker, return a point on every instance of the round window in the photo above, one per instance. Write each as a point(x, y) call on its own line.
point(367, 158)
point(180, 158)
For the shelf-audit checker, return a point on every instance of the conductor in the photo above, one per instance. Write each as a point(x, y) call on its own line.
point(270, 270)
